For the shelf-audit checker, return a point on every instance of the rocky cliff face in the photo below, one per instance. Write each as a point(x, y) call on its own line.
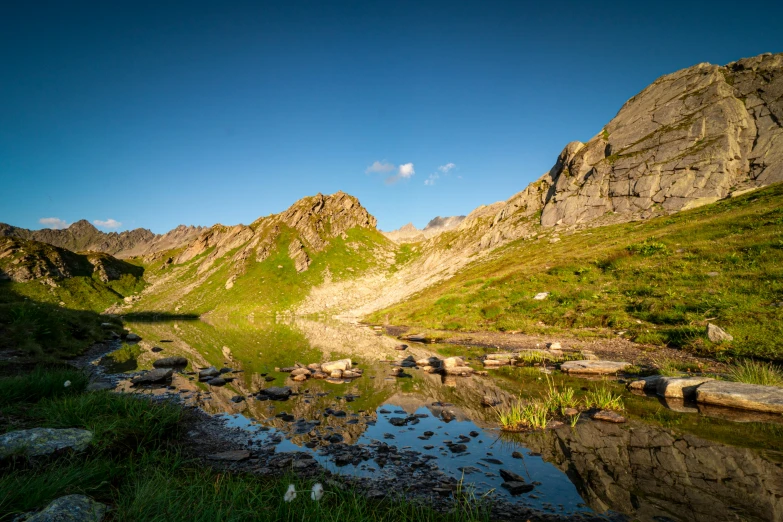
point(82, 236)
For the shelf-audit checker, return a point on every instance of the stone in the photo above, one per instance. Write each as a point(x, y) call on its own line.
point(300, 378)
point(231, 456)
point(156, 349)
point(398, 421)
point(75, 508)
point(276, 393)
point(319, 375)
point(510, 476)
point(594, 367)
point(348, 374)
point(300, 371)
point(451, 362)
point(517, 455)
point(342, 364)
point(570, 412)
point(132, 337)
point(158, 375)
point(717, 335)
point(209, 372)
point(217, 381)
point(754, 397)
point(609, 416)
point(490, 401)
point(679, 387)
point(518, 488)
point(43, 441)
point(336, 374)
point(170, 362)
point(541, 296)
point(459, 370)
point(401, 347)
point(649, 384)
point(554, 346)
point(458, 448)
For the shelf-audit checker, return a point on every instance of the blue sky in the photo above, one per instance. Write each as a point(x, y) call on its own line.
point(152, 114)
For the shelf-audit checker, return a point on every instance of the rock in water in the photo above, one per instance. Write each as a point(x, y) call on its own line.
point(158, 375)
point(132, 337)
point(276, 393)
point(75, 508)
point(594, 367)
point(43, 441)
point(717, 335)
point(170, 362)
point(679, 387)
point(342, 365)
point(517, 488)
point(754, 397)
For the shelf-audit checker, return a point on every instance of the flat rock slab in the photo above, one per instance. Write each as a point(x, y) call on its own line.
point(679, 387)
point(609, 416)
point(594, 367)
point(768, 399)
point(69, 508)
point(43, 441)
point(231, 456)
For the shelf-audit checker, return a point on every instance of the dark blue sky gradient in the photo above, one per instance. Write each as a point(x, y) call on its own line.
point(160, 113)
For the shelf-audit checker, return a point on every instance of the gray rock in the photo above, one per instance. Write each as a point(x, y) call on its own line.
point(231, 456)
point(71, 508)
point(276, 393)
point(132, 337)
point(208, 373)
point(158, 375)
point(43, 441)
point(716, 334)
point(594, 367)
point(679, 387)
point(510, 476)
point(743, 396)
point(517, 488)
point(170, 362)
point(648, 384)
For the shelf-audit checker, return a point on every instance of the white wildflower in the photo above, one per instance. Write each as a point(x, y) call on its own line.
point(318, 492)
point(67, 383)
point(290, 494)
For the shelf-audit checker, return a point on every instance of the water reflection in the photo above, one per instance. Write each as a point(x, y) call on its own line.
point(645, 471)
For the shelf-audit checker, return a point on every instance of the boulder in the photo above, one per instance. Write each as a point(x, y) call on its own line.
point(743, 396)
point(451, 362)
point(276, 393)
point(679, 387)
point(342, 364)
point(319, 375)
point(158, 375)
point(217, 381)
point(132, 337)
point(69, 508)
point(717, 335)
point(170, 362)
point(594, 367)
point(300, 378)
point(300, 371)
point(43, 441)
point(336, 374)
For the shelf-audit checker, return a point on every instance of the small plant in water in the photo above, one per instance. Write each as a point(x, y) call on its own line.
point(603, 398)
point(755, 372)
point(518, 416)
point(556, 400)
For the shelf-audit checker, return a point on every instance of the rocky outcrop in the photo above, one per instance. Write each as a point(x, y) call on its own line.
point(27, 260)
point(43, 441)
point(69, 508)
point(83, 236)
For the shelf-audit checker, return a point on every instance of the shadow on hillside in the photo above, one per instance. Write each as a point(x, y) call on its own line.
point(157, 317)
point(41, 331)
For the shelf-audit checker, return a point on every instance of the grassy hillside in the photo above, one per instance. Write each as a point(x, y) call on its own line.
point(266, 287)
point(660, 282)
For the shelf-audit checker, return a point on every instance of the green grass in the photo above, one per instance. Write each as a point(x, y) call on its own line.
point(755, 372)
point(137, 465)
point(533, 415)
point(42, 382)
point(602, 397)
point(658, 281)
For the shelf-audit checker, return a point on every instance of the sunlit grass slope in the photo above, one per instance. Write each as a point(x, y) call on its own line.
point(659, 281)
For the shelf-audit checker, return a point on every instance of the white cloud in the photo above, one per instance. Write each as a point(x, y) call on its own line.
point(431, 180)
point(406, 171)
point(109, 223)
point(446, 168)
point(53, 222)
point(380, 166)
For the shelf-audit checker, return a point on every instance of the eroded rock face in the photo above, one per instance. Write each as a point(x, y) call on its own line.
point(690, 138)
point(43, 441)
point(648, 473)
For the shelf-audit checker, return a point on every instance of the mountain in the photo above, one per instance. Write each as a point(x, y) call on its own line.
point(271, 263)
point(82, 236)
point(410, 234)
point(46, 273)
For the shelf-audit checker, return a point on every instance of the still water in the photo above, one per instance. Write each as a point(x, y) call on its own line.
point(661, 465)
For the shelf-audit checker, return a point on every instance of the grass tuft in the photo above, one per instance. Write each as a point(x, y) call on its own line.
point(755, 372)
point(604, 398)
